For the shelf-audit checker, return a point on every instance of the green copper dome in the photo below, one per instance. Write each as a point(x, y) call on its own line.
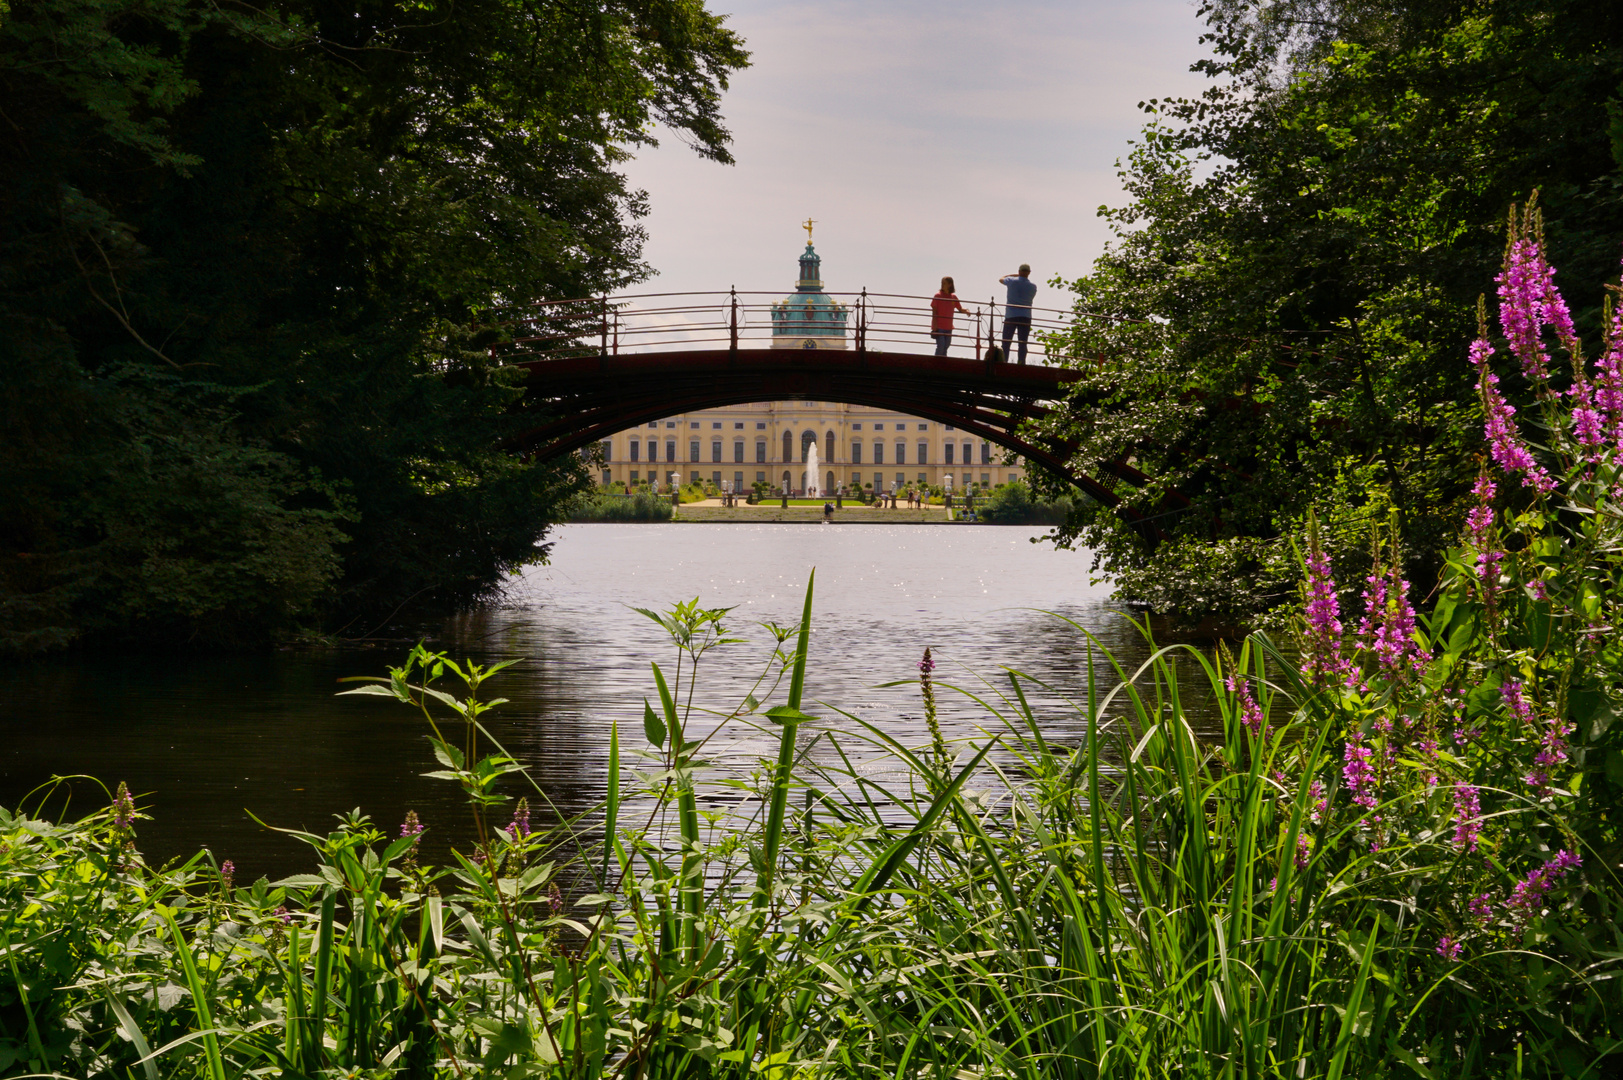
point(807, 313)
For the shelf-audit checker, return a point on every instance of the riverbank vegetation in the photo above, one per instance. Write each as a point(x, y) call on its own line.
point(1298, 260)
point(1012, 504)
point(1402, 857)
point(639, 506)
point(252, 263)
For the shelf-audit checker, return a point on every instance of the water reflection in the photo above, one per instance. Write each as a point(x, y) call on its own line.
point(212, 740)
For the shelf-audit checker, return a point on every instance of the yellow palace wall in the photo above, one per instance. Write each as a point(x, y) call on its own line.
point(745, 443)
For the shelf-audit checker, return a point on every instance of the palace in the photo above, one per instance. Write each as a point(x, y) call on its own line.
point(768, 442)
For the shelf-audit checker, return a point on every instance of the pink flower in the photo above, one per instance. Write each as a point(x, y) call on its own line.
point(1505, 443)
point(1527, 898)
point(1519, 706)
point(1448, 948)
point(1320, 803)
point(1522, 286)
point(1467, 816)
point(1481, 907)
point(1321, 652)
point(1388, 627)
point(1250, 713)
point(1359, 774)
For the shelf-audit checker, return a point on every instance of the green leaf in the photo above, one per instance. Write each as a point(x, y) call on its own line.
point(652, 725)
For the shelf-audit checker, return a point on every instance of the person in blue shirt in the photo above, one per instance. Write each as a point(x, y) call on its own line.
point(1017, 308)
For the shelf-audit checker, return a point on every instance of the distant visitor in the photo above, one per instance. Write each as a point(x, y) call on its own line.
point(1017, 308)
point(942, 306)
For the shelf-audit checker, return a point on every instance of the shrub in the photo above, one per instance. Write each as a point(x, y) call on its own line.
point(642, 506)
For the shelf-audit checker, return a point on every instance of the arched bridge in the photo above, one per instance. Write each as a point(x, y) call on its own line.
point(602, 365)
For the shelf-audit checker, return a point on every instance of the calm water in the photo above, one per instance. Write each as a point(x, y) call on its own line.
point(210, 740)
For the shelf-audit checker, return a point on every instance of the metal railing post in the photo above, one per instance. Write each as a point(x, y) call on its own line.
point(616, 331)
point(733, 320)
point(604, 350)
point(862, 321)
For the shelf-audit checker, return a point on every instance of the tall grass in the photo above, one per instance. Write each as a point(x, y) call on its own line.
point(1134, 905)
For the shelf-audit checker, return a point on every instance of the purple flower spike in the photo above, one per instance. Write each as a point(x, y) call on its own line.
point(1505, 443)
point(1322, 649)
point(1359, 774)
point(1250, 711)
point(123, 808)
point(1467, 816)
point(520, 827)
point(1527, 898)
point(1448, 948)
point(1522, 286)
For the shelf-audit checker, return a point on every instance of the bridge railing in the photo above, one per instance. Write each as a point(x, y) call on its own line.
point(663, 322)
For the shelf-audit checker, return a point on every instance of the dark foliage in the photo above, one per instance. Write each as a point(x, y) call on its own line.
point(1294, 283)
point(251, 259)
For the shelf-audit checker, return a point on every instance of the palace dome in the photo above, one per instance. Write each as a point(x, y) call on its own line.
point(808, 318)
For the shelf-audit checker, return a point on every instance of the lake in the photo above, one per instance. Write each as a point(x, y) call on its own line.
point(206, 741)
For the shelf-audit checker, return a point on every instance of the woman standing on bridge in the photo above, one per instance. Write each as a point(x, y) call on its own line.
point(942, 306)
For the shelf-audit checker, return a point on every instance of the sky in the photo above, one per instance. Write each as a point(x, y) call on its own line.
point(924, 138)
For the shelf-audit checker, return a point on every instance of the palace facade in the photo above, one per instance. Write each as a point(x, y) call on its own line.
point(769, 441)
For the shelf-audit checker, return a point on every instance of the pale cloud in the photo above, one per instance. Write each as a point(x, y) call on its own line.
point(926, 139)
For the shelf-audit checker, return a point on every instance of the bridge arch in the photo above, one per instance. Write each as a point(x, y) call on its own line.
point(580, 400)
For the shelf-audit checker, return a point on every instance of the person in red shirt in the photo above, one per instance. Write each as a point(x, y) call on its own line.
point(942, 306)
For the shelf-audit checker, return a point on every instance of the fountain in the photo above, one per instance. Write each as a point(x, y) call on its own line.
point(814, 485)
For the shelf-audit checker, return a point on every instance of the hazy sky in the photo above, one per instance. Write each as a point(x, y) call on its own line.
point(924, 138)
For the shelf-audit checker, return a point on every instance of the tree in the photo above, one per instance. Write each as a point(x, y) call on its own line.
point(1284, 311)
point(293, 235)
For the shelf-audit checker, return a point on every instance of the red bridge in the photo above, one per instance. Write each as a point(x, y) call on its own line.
point(600, 365)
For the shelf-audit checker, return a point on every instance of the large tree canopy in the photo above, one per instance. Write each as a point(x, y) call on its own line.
point(1287, 303)
point(253, 259)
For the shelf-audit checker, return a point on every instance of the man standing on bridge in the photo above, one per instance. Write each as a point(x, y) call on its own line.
point(1017, 308)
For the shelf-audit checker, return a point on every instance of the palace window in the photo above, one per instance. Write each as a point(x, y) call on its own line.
point(759, 426)
point(901, 453)
point(760, 475)
point(946, 449)
point(788, 446)
point(986, 479)
point(670, 424)
point(828, 446)
point(694, 425)
point(924, 427)
point(738, 451)
point(986, 453)
point(653, 423)
point(806, 440)
point(856, 427)
point(856, 452)
point(924, 453)
point(969, 453)
point(738, 480)
point(693, 450)
point(949, 427)
point(670, 449)
point(716, 426)
point(739, 426)
point(760, 451)
point(636, 448)
point(878, 453)
point(879, 427)
point(715, 450)
point(715, 478)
